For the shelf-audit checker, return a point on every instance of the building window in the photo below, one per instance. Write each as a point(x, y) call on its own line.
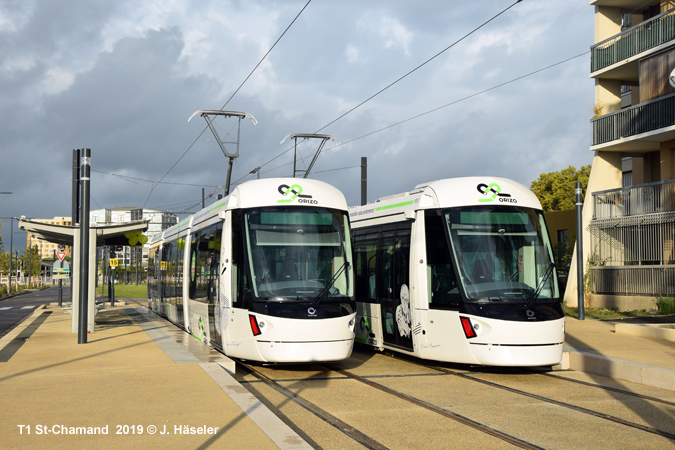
point(627, 179)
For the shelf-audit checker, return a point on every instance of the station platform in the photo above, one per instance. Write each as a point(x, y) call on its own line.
point(636, 351)
point(142, 382)
point(131, 385)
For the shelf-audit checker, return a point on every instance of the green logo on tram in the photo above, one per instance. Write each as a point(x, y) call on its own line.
point(296, 191)
point(493, 190)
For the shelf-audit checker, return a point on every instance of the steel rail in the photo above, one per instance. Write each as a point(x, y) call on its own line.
point(345, 428)
point(457, 417)
point(548, 400)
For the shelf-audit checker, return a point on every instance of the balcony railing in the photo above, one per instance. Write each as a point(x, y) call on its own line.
point(650, 198)
point(633, 280)
point(638, 119)
point(643, 36)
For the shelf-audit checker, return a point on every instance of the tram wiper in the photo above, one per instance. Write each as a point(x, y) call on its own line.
point(320, 296)
point(535, 294)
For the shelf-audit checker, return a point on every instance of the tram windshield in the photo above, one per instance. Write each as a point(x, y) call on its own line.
point(503, 253)
point(300, 253)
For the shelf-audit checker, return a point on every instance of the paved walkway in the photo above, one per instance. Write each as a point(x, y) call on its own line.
point(140, 382)
point(595, 347)
point(131, 382)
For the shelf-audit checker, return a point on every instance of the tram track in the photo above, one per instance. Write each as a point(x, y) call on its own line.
point(610, 389)
point(361, 437)
point(576, 408)
point(371, 443)
point(342, 426)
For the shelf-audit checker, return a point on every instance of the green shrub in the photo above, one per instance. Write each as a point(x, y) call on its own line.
point(666, 305)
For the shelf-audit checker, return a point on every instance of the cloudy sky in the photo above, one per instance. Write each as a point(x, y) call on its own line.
point(123, 77)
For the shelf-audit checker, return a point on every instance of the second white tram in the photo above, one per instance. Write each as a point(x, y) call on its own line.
point(264, 274)
point(458, 270)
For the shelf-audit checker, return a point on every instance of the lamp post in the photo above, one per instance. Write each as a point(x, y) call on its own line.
point(30, 257)
point(11, 249)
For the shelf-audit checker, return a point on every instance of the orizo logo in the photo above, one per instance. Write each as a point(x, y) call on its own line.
point(493, 190)
point(311, 311)
point(296, 191)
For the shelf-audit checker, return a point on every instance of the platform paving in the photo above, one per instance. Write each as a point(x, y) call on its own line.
point(142, 382)
point(594, 346)
point(124, 385)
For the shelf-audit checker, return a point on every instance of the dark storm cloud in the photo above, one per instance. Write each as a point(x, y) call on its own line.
point(122, 79)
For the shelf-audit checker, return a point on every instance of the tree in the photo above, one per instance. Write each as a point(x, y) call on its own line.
point(4, 263)
point(555, 190)
point(35, 261)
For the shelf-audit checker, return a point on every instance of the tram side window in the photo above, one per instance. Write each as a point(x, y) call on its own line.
point(443, 290)
point(365, 261)
point(165, 273)
point(152, 285)
point(206, 261)
point(215, 233)
point(241, 295)
point(402, 256)
point(180, 254)
point(194, 250)
point(385, 255)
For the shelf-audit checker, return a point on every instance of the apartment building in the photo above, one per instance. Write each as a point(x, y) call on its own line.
point(46, 249)
point(629, 211)
point(159, 221)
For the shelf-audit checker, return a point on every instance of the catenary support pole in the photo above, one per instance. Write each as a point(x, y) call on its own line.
point(580, 253)
point(75, 202)
point(84, 247)
point(364, 180)
point(11, 242)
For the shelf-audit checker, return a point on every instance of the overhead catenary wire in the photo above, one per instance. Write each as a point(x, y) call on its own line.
point(421, 65)
point(468, 97)
point(396, 81)
point(431, 110)
point(228, 100)
point(131, 179)
point(460, 100)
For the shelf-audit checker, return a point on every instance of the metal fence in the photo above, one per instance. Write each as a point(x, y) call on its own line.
point(636, 200)
point(641, 118)
point(634, 280)
point(642, 37)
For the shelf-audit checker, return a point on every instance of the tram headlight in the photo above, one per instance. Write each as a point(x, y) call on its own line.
point(351, 324)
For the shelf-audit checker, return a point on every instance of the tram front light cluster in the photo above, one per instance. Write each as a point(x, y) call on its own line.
point(351, 323)
point(468, 328)
point(254, 325)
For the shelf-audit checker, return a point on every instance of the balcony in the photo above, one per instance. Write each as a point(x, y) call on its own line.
point(650, 198)
point(634, 280)
point(632, 240)
point(634, 41)
point(638, 128)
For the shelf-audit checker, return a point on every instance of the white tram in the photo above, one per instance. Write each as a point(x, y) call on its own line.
point(264, 274)
point(458, 270)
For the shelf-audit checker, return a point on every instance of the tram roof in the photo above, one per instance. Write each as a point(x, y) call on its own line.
point(449, 193)
point(265, 192)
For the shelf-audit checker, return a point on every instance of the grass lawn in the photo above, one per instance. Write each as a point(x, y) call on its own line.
point(129, 290)
point(608, 314)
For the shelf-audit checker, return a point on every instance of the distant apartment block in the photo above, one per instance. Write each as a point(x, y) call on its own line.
point(46, 249)
point(629, 211)
point(159, 221)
